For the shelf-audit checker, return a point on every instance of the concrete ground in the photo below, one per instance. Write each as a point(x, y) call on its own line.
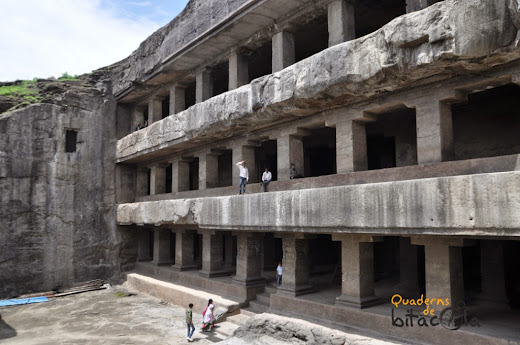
point(103, 317)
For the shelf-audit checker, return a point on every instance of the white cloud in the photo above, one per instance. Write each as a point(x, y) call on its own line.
point(42, 38)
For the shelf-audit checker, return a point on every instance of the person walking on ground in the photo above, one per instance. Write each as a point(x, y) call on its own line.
point(208, 321)
point(293, 173)
point(244, 177)
point(189, 322)
point(279, 271)
point(266, 178)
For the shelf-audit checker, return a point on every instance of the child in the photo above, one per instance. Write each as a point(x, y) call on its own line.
point(189, 322)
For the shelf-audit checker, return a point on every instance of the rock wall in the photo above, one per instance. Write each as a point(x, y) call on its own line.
point(196, 18)
point(56, 208)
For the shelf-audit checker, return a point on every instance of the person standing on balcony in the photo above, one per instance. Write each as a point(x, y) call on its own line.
point(244, 177)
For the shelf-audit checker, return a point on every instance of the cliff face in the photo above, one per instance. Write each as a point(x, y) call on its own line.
point(197, 17)
point(57, 208)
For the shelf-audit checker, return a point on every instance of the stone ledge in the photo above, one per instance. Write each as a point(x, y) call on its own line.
point(469, 205)
point(178, 294)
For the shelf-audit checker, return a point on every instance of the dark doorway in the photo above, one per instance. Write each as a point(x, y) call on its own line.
point(392, 139)
point(319, 152)
point(225, 166)
point(168, 179)
point(373, 14)
point(189, 95)
point(260, 61)
point(488, 124)
point(165, 107)
point(266, 157)
point(194, 173)
point(220, 75)
point(311, 38)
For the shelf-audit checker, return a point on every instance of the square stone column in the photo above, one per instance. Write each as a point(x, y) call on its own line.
point(493, 276)
point(289, 151)
point(154, 110)
point(161, 247)
point(244, 153)
point(434, 131)
point(180, 176)
point(238, 70)
point(143, 245)
point(443, 268)
point(177, 99)
point(295, 277)
point(184, 256)
point(283, 50)
point(204, 85)
point(249, 259)
point(351, 146)
point(208, 171)
point(212, 258)
point(357, 269)
point(408, 285)
point(341, 21)
point(417, 5)
point(157, 180)
point(142, 182)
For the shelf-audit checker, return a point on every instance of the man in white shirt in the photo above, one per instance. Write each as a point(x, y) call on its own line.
point(279, 271)
point(266, 178)
point(244, 177)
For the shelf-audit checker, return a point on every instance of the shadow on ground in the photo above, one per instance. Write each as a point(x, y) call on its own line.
point(6, 331)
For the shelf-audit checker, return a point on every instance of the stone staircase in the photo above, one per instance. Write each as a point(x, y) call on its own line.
point(262, 302)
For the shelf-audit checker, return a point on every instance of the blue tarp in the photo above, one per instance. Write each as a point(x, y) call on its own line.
point(18, 301)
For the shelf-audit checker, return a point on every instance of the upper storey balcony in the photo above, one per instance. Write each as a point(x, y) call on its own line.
point(411, 50)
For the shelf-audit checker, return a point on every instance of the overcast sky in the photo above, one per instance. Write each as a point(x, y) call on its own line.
point(43, 38)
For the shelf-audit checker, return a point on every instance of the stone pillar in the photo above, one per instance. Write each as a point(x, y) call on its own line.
point(405, 150)
point(184, 256)
point(283, 50)
point(208, 171)
point(351, 146)
point(138, 117)
point(289, 150)
point(342, 25)
point(357, 269)
point(443, 268)
point(180, 176)
point(212, 262)
point(244, 153)
point(493, 276)
point(417, 5)
point(154, 110)
point(177, 99)
point(204, 85)
point(228, 254)
point(238, 71)
point(295, 277)
point(434, 131)
point(142, 182)
point(157, 180)
point(408, 285)
point(143, 245)
point(161, 247)
point(249, 259)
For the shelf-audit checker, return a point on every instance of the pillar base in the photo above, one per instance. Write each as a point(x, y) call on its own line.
point(357, 302)
point(300, 290)
point(215, 273)
point(250, 281)
point(185, 267)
